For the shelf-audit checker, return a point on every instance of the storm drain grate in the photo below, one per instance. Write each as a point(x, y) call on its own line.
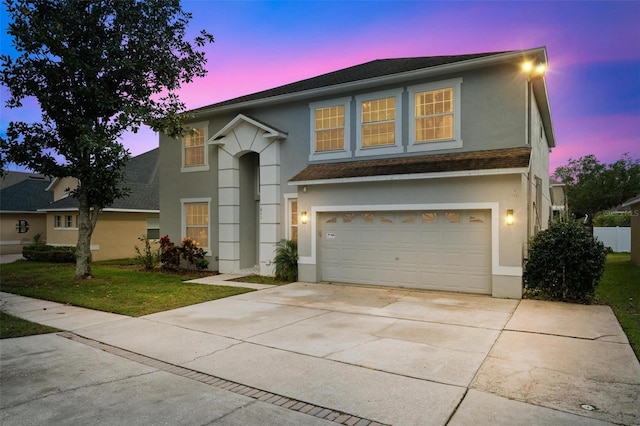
point(228, 385)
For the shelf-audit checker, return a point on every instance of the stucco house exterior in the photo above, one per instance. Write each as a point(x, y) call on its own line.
point(120, 224)
point(21, 195)
point(426, 172)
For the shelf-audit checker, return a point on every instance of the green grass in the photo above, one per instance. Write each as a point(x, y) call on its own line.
point(620, 289)
point(113, 289)
point(11, 326)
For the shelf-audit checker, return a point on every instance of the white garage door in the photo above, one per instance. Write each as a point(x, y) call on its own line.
point(438, 250)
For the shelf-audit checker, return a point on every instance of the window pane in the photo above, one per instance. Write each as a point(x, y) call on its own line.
point(329, 129)
point(194, 148)
point(197, 223)
point(378, 122)
point(434, 115)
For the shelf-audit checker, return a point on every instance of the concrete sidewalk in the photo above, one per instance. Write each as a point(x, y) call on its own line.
point(321, 354)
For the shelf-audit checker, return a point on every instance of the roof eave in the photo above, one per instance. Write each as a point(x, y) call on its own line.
point(539, 52)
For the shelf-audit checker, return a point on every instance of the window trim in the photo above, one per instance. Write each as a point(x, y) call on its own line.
point(202, 167)
point(330, 155)
point(183, 218)
point(456, 142)
point(61, 225)
point(288, 198)
point(396, 148)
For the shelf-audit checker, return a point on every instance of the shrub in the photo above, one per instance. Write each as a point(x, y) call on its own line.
point(169, 253)
point(46, 253)
point(611, 220)
point(188, 250)
point(286, 260)
point(148, 257)
point(565, 263)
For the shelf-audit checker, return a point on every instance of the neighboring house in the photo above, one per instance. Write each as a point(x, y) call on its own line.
point(428, 172)
point(634, 205)
point(119, 225)
point(558, 199)
point(20, 221)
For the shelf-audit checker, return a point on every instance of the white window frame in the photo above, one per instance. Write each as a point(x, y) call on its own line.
point(456, 142)
point(183, 218)
point(203, 167)
point(288, 198)
point(330, 155)
point(362, 151)
point(57, 221)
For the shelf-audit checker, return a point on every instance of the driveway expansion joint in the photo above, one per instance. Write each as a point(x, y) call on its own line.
point(256, 394)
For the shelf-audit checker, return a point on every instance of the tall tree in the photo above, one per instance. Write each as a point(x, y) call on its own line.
point(593, 186)
point(97, 69)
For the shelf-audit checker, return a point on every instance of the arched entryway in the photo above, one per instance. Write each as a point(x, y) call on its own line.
point(248, 166)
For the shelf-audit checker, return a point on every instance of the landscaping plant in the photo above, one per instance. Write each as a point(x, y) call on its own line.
point(148, 257)
point(565, 263)
point(286, 260)
point(188, 250)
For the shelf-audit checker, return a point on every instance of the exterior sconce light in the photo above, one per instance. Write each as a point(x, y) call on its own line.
point(304, 218)
point(509, 217)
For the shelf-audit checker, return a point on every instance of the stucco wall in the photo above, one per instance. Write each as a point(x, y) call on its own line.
point(115, 236)
point(11, 241)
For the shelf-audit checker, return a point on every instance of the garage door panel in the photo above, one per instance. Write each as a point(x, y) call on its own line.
point(432, 250)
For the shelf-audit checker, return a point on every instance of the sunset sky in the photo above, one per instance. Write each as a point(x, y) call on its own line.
point(593, 49)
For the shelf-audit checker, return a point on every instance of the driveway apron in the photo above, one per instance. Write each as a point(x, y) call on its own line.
point(354, 354)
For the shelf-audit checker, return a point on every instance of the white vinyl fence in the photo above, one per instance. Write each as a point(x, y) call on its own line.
point(619, 238)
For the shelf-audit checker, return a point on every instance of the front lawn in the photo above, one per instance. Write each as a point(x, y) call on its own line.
point(11, 326)
point(620, 289)
point(114, 289)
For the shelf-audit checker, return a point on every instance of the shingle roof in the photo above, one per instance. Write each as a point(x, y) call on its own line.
point(372, 69)
point(477, 160)
point(26, 196)
point(11, 178)
point(141, 177)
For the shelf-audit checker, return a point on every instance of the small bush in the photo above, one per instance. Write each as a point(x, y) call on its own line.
point(46, 253)
point(565, 263)
point(286, 260)
point(611, 220)
point(146, 256)
point(188, 250)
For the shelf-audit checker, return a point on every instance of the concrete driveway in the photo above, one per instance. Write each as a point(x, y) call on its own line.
point(321, 354)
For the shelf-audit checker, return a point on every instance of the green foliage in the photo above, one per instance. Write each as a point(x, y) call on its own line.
point(97, 69)
point(611, 220)
point(565, 263)
point(46, 253)
point(170, 254)
point(286, 260)
point(593, 186)
point(147, 257)
point(37, 239)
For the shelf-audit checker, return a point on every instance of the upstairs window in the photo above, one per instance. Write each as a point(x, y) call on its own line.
point(379, 123)
point(435, 120)
point(330, 129)
point(434, 115)
point(194, 148)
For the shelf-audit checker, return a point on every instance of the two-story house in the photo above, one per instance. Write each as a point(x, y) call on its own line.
point(426, 172)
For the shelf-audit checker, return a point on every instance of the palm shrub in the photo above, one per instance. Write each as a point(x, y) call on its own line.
point(565, 263)
point(286, 260)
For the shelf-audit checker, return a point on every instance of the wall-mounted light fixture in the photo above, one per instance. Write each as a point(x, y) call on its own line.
point(304, 218)
point(509, 217)
point(534, 69)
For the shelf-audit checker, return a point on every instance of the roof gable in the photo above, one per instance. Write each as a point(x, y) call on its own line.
point(269, 131)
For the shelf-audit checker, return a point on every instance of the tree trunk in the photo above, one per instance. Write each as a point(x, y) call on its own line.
point(86, 224)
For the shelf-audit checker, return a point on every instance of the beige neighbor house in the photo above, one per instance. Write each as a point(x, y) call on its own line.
point(20, 221)
point(425, 172)
point(120, 224)
point(634, 205)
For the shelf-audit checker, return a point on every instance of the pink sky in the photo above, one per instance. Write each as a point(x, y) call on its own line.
point(593, 48)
